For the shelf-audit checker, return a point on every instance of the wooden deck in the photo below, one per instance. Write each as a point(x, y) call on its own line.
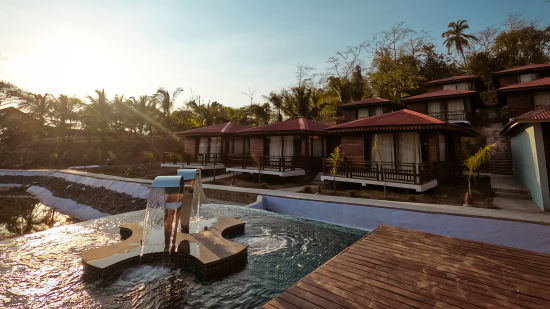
point(398, 268)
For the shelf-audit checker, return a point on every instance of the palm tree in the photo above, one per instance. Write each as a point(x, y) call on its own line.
point(63, 111)
point(100, 112)
point(456, 37)
point(474, 163)
point(335, 160)
point(38, 105)
point(277, 101)
point(167, 102)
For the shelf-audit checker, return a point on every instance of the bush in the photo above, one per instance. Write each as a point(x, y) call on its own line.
point(149, 156)
point(352, 193)
point(411, 198)
point(263, 185)
point(307, 189)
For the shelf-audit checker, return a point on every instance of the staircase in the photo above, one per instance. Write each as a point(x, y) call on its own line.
point(501, 162)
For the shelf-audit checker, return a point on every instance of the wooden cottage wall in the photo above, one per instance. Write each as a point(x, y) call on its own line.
point(256, 146)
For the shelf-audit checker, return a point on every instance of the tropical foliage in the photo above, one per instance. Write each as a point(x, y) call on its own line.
point(475, 162)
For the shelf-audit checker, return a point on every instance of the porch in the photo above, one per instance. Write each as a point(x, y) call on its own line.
point(418, 176)
point(204, 161)
point(283, 166)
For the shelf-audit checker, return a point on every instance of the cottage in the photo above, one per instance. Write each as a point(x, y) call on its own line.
point(366, 108)
point(524, 88)
point(404, 149)
point(207, 147)
point(530, 141)
point(453, 99)
point(287, 148)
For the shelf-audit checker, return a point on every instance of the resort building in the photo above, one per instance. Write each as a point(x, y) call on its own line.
point(287, 148)
point(404, 149)
point(530, 142)
point(207, 147)
point(366, 108)
point(453, 99)
point(524, 88)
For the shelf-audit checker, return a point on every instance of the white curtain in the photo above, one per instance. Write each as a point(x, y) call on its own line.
point(289, 146)
point(442, 148)
point(378, 110)
point(449, 87)
point(385, 145)
point(434, 109)
point(275, 146)
point(238, 145)
point(542, 98)
point(203, 145)
point(316, 146)
point(409, 148)
point(528, 77)
point(216, 144)
point(363, 113)
point(463, 86)
point(455, 105)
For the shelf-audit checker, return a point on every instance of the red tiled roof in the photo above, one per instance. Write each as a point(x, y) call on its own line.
point(537, 83)
point(218, 129)
point(403, 119)
point(541, 114)
point(440, 94)
point(529, 67)
point(451, 79)
point(292, 125)
point(369, 101)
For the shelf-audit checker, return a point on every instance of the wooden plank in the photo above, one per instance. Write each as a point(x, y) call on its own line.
point(442, 280)
point(397, 268)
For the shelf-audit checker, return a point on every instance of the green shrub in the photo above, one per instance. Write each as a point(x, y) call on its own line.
point(352, 193)
point(263, 185)
point(307, 189)
point(149, 156)
point(411, 198)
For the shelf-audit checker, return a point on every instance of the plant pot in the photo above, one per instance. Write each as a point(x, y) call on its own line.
point(468, 201)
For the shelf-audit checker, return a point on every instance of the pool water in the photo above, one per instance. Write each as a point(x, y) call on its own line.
point(44, 270)
point(20, 215)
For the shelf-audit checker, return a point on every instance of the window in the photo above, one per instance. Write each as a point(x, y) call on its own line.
point(385, 151)
point(275, 146)
point(463, 86)
point(316, 146)
point(434, 110)
point(541, 98)
point(449, 87)
point(528, 77)
point(408, 146)
point(216, 144)
point(288, 146)
point(363, 113)
point(203, 145)
point(378, 110)
point(455, 109)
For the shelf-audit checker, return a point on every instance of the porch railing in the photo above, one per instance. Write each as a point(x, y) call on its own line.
point(205, 158)
point(410, 173)
point(449, 116)
point(277, 163)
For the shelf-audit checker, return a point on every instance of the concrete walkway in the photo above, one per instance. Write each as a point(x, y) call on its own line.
point(500, 214)
point(511, 195)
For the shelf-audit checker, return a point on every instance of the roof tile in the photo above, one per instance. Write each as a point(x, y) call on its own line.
point(300, 124)
point(537, 83)
point(524, 68)
point(440, 94)
point(222, 128)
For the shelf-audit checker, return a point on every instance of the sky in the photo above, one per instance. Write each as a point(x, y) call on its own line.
point(213, 49)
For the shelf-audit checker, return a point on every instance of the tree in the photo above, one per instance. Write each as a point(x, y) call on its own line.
point(394, 79)
point(64, 111)
point(475, 162)
point(98, 114)
point(335, 160)
point(37, 105)
point(523, 46)
point(9, 93)
point(456, 37)
point(277, 101)
point(167, 102)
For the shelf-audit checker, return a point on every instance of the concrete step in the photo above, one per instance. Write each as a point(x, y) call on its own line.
point(513, 195)
point(511, 190)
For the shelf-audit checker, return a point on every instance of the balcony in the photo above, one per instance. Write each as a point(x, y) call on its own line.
point(417, 176)
point(284, 166)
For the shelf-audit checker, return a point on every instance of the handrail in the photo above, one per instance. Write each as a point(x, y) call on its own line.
point(414, 173)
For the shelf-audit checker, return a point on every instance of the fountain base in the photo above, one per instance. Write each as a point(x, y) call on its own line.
point(204, 251)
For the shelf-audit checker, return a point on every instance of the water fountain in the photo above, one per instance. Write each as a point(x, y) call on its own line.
point(174, 234)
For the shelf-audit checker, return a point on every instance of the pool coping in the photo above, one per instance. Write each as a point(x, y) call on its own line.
point(498, 214)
